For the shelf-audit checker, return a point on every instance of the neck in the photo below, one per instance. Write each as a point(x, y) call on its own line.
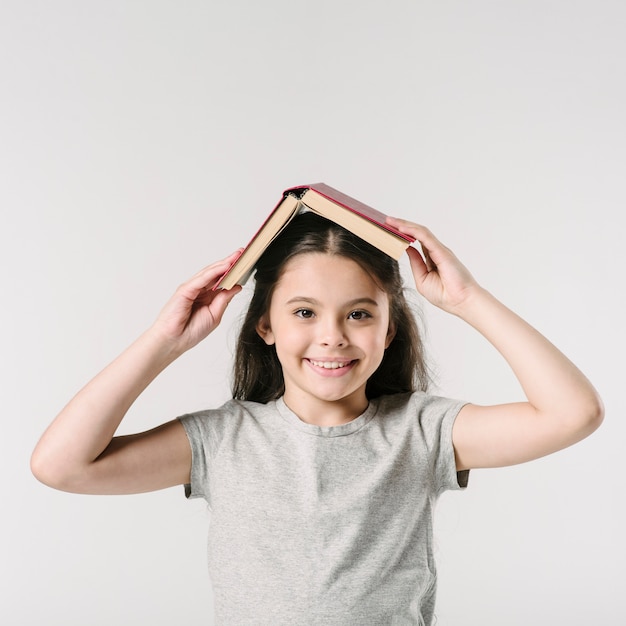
point(326, 413)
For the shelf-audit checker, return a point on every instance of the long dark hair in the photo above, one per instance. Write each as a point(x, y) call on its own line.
point(257, 373)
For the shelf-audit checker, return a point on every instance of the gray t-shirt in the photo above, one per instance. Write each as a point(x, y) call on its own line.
point(328, 526)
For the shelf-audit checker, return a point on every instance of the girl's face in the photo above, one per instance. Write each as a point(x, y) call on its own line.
point(329, 322)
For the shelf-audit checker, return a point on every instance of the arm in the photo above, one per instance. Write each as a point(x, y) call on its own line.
point(562, 406)
point(79, 453)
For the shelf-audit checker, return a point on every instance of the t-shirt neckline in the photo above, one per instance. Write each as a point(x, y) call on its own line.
point(326, 431)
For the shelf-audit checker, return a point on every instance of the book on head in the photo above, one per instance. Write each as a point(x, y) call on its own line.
point(362, 220)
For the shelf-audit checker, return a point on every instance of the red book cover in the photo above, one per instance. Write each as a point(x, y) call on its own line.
point(287, 207)
point(368, 212)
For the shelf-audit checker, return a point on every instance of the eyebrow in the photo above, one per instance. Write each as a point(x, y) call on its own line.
point(350, 303)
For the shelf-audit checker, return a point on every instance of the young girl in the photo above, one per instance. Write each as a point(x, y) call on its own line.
point(322, 473)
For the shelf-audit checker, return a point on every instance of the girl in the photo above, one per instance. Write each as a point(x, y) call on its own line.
point(322, 472)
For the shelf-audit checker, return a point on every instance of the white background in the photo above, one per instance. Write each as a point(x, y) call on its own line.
point(141, 140)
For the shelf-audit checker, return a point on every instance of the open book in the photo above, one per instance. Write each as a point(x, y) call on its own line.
point(362, 220)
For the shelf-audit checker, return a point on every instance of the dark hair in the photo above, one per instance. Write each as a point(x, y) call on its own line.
point(258, 375)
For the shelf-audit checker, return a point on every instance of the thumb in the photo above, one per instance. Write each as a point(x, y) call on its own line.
point(221, 301)
point(418, 266)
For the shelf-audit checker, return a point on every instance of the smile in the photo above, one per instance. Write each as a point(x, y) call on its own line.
point(331, 365)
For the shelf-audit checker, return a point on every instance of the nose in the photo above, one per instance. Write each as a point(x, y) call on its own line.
point(332, 333)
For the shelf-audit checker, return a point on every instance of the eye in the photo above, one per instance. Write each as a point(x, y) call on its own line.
point(359, 315)
point(305, 314)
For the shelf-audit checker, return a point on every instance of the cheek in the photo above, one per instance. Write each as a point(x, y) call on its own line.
point(289, 339)
point(375, 342)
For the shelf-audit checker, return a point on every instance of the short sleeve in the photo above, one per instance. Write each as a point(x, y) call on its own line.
point(437, 417)
point(198, 429)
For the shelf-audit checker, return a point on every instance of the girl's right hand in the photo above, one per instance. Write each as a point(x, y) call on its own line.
point(195, 310)
point(79, 452)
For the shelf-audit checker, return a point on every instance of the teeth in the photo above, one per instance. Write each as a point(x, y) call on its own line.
point(330, 365)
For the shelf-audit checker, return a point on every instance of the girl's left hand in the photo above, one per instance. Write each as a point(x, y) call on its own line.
point(439, 276)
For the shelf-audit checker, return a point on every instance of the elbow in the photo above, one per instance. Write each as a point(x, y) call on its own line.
point(50, 472)
point(592, 416)
point(42, 469)
point(597, 415)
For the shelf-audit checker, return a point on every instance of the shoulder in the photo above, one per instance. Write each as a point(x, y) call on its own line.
point(232, 415)
point(427, 416)
point(230, 410)
point(417, 404)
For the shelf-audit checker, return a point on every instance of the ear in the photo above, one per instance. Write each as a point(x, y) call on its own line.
point(391, 333)
point(264, 330)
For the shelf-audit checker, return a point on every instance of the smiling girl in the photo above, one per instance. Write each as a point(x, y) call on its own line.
point(322, 473)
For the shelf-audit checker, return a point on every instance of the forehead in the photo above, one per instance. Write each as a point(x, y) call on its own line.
point(327, 274)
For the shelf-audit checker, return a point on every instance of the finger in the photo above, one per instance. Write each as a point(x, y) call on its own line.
point(221, 301)
point(208, 276)
point(227, 261)
point(421, 233)
point(417, 231)
point(430, 264)
point(434, 251)
point(405, 226)
point(418, 266)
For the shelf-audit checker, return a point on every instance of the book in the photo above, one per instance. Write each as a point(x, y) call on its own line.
point(362, 220)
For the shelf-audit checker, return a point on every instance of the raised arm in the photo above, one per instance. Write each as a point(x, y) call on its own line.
point(79, 453)
point(562, 406)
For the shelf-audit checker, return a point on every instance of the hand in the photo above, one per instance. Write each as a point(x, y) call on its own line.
point(195, 310)
point(439, 276)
